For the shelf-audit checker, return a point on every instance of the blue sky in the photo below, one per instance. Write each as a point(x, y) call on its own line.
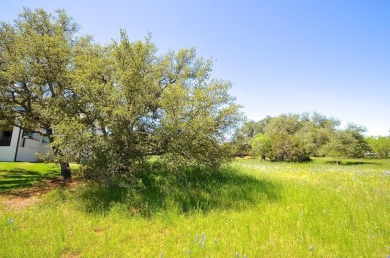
point(328, 56)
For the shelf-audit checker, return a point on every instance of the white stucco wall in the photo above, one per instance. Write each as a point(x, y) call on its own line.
point(27, 152)
point(45, 148)
point(7, 153)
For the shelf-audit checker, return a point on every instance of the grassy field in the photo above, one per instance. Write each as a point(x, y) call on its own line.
point(249, 209)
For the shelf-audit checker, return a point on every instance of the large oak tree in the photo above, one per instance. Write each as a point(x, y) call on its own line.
point(35, 62)
point(114, 106)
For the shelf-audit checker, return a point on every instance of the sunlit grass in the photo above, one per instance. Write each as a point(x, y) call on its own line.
point(259, 209)
point(15, 175)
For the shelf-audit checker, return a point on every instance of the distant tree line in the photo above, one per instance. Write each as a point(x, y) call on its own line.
point(297, 137)
point(380, 146)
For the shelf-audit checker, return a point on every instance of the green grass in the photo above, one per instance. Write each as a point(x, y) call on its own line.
point(14, 175)
point(256, 208)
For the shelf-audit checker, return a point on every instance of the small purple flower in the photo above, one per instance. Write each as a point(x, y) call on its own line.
point(204, 236)
point(10, 221)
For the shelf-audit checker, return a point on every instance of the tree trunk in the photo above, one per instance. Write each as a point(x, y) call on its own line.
point(65, 171)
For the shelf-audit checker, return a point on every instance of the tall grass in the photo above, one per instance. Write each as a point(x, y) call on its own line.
point(251, 208)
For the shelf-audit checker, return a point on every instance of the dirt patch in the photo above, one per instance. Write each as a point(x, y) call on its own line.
point(70, 255)
point(20, 203)
point(26, 197)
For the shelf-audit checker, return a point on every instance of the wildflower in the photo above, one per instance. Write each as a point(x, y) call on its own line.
point(310, 248)
point(10, 221)
point(215, 241)
point(237, 255)
point(189, 252)
point(244, 256)
point(161, 255)
point(204, 236)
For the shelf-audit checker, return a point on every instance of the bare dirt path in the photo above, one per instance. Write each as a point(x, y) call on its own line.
point(25, 197)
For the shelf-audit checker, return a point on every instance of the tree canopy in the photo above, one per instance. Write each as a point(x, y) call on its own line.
point(380, 146)
point(297, 137)
point(35, 66)
point(112, 106)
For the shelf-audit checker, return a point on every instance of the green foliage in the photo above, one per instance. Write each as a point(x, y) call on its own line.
point(147, 105)
point(187, 191)
point(261, 145)
point(286, 146)
point(245, 133)
point(35, 60)
point(348, 143)
point(297, 137)
point(380, 146)
point(112, 106)
point(251, 128)
point(315, 132)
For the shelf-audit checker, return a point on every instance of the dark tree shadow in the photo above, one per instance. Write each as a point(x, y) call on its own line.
point(350, 163)
point(158, 189)
point(20, 178)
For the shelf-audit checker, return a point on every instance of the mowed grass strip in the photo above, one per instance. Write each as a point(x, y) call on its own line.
point(252, 208)
point(14, 175)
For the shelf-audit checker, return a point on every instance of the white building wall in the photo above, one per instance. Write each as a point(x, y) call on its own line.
point(28, 152)
point(45, 148)
point(7, 153)
point(28, 148)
